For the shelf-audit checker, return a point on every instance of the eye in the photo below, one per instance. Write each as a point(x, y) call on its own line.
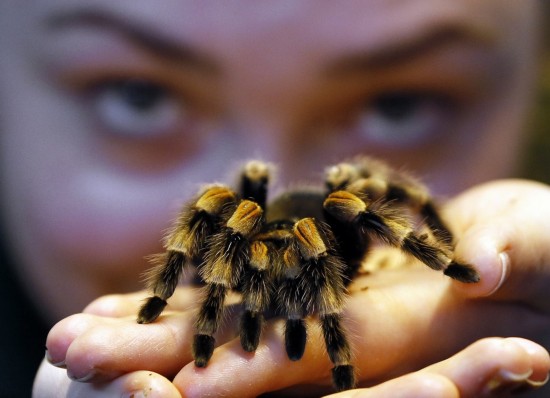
point(403, 118)
point(137, 108)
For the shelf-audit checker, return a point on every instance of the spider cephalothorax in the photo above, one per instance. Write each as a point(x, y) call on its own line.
point(298, 254)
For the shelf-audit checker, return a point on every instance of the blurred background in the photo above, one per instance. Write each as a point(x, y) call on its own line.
point(536, 164)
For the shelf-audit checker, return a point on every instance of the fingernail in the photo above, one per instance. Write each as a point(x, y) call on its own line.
point(538, 383)
point(520, 387)
point(82, 379)
point(505, 266)
point(59, 364)
point(506, 376)
point(505, 381)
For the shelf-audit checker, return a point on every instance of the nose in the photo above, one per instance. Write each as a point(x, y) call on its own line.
point(278, 144)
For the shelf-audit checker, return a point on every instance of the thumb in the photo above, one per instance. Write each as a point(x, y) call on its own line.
point(503, 229)
point(53, 382)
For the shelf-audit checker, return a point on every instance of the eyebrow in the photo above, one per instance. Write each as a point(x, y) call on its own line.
point(410, 48)
point(145, 38)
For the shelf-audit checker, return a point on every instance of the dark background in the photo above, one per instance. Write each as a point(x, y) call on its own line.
point(536, 163)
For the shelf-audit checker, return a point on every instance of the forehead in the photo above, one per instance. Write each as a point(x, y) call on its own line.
point(308, 24)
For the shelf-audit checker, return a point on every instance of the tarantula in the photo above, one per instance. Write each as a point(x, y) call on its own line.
point(296, 255)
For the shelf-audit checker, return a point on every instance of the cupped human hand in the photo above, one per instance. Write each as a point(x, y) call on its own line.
point(399, 321)
point(104, 350)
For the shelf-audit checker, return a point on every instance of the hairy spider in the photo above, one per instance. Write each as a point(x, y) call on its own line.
point(298, 254)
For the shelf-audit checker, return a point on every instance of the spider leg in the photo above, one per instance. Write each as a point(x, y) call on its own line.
point(256, 293)
point(164, 279)
point(390, 227)
point(352, 243)
point(207, 323)
point(377, 180)
point(295, 325)
point(322, 279)
point(343, 374)
point(416, 196)
point(185, 242)
point(434, 221)
point(406, 193)
point(290, 298)
point(253, 182)
point(256, 283)
point(295, 337)
point(228, 252)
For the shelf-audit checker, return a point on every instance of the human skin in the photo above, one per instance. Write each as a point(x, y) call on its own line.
point(296, 84)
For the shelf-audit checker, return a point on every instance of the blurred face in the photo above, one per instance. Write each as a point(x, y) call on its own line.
point(113, 112)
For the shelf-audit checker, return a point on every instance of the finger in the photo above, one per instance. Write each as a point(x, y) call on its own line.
point(95, 348)
point(132, 385)
point(540, 359)
point(53, 382)
point(489, 367)
point(503, 230)
point(63, 334)
point(116, 305)
point(496, 366)
point(425, 385)
point(121, 305)
point(486, 247)
point(233, 372)
point(84, 344)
